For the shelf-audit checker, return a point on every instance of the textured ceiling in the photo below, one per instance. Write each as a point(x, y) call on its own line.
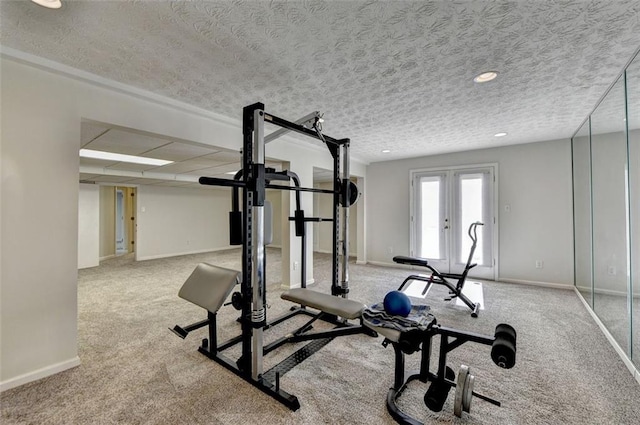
point(387, 74)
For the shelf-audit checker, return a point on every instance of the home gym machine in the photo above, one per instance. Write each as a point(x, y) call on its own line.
point(209, 286)
point(455, 290)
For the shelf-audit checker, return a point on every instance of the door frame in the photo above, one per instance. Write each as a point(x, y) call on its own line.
point(119, 219)
point(453, 168)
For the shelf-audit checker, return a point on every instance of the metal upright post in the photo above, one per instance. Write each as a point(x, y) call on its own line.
point(346, 180)
point(335, 286)
point(257, 231)
point(246, 285)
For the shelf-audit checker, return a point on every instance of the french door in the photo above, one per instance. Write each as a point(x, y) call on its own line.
point(444, 203)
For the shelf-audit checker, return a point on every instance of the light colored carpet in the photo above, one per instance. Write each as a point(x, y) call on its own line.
point(135, 371)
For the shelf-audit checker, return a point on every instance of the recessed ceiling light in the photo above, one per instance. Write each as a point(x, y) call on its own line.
point(50, 4)
point(385, 151)
point(485, 76)
point(500, 134)
point(110, 156)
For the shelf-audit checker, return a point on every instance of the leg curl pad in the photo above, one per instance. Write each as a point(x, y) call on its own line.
point(503, 350)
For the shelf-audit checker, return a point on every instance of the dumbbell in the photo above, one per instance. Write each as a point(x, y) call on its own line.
point(438, 391)
point(503, 351)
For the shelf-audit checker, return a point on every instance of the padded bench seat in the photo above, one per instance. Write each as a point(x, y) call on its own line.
point(413, 261)
point(342, 307)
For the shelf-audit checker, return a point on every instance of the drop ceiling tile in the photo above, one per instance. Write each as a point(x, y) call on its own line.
point(222, 169)
point(225, 156)
point(89, 131)
point(178, 152)
point(87, 176)
point(182, 167)
point(92, 162)
point(125, 142)
point(145, 181)
point(111, 179)
point(176, 184)
point(127, 166)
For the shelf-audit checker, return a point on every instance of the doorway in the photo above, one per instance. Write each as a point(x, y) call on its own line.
point(125, 220)
point(444, 203)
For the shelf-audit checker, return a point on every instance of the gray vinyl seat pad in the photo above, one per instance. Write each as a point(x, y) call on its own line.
point(209, 286)
point(342, 307)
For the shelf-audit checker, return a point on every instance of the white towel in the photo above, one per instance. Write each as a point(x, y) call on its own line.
point(418, 318)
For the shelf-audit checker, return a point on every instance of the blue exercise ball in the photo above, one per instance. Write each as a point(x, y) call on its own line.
point(396, 303)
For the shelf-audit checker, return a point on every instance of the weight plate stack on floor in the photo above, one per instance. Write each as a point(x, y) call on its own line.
point(464, 391)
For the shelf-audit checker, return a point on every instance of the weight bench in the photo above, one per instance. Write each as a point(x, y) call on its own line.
point(407, 339)
point(330, 304)
point(332, 309)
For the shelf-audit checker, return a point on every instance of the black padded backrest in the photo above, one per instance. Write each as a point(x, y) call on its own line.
point(413, 261)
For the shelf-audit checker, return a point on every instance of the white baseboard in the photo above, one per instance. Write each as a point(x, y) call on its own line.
point(177, 254)
point(598, 291)
point(309, 283)
point(361, 263)
point(626, 360)
point(39, 374)
point(324, 251)
point(535, 283)
point(107, 257)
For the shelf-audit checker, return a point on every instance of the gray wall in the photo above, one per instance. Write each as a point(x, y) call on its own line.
point(107, 222)
point(323, 207)
point(534, 179)
point(88, 226)
point(39, 224)
point(275, 197)
point(177, 221)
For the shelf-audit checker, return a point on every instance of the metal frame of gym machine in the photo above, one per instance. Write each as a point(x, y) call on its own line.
point(255, 180)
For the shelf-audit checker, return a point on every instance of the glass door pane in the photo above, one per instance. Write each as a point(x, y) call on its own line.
point(581, 148)
point(430, 241)
point(473, 202)
point(430, 218)
point(609, 186)
point(471, 207)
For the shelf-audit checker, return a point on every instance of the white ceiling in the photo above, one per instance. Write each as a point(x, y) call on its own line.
point(387, 74)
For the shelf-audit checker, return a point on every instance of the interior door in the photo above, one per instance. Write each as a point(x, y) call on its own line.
point(121, 235)
point(444, 204)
